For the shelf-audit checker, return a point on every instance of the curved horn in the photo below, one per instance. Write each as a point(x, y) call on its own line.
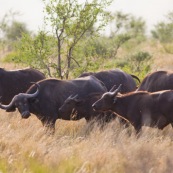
point(70, 97)
point(113, 88)
point(73, 97)
point(118, 89)
point(114, 93)
point(34, 94)
point(11, 104)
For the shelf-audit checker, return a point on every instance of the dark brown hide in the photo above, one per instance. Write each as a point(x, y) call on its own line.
point(157, 81)
point(140, 108)
point(115, 77)
point(52, 94)
point(17, 81)
point(78, 108)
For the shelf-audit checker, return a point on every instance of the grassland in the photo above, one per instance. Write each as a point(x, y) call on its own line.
point(78, 148)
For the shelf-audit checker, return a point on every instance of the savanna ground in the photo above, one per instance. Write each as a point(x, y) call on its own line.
point(78, 148)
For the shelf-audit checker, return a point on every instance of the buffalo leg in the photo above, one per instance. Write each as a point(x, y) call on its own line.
point(49, 126)
point(138, 129)
point(124, 122)
point(162, 123)
point(172, 125)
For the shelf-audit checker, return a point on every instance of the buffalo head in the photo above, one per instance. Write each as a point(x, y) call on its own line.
point(107, 100)
point(68, 109)
point(21, 102)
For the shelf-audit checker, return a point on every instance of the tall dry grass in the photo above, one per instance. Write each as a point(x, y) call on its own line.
point(78, 148)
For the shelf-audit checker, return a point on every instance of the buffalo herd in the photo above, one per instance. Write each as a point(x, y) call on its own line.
point(101, 96)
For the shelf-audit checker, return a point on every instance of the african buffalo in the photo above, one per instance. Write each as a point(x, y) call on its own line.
point(45, 100)
point(17, 81)
point(139, 108)
point(81, 107)
point(157, 81)
point(115, 77)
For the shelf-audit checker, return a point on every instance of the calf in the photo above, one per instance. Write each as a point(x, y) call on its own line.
point(81, 107)
point(139, 108)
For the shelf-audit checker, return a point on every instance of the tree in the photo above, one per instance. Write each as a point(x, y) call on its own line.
point(164, 30)
point(71, 21)
point(140, 62)
point(12, 29)
point(15, 30)
point(38, 52)
point(126, 23)
point(125, 27)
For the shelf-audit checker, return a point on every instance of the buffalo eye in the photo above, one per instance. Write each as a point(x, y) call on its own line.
point(68, 102)
point(18, 104)
point(25, 103)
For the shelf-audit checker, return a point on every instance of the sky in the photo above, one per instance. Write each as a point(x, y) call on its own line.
point(152, 11)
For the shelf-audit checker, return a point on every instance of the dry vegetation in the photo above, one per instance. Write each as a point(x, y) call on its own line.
point(78, 147)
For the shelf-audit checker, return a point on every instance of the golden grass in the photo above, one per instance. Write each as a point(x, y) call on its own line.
point(76, 147)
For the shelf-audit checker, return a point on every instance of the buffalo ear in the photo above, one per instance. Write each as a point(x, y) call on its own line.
point(117, 90)
point(76, 99)
point(79, 101)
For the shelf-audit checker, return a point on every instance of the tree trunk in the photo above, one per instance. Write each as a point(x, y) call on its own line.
point(68, 62)
point(59, 60)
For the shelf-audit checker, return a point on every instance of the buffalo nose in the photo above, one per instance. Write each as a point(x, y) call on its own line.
point(26, 114)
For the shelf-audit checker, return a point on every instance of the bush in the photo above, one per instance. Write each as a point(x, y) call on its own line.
point(137, 63)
